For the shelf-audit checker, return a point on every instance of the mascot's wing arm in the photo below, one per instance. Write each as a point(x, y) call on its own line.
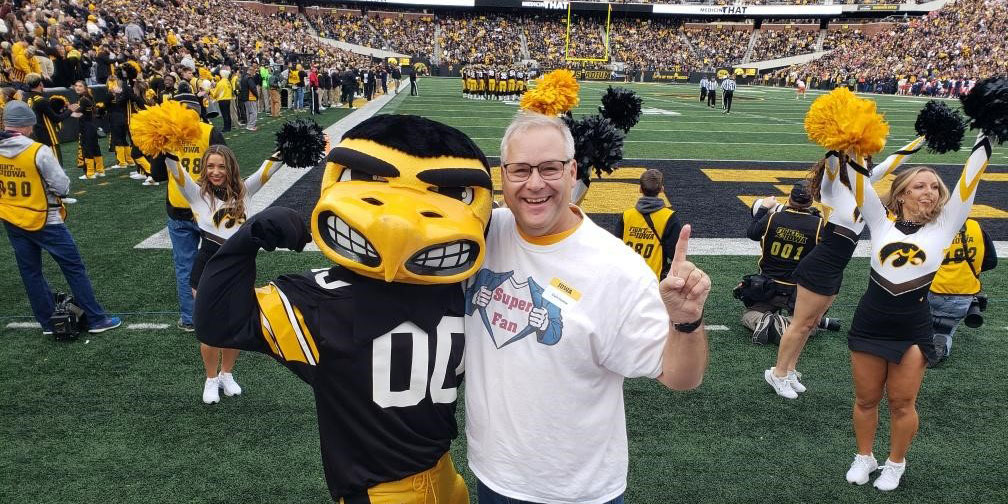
point(231, 313)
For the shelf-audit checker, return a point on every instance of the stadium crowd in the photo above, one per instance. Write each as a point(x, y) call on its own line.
point(790, 41)
point(651, 43)
point(478, 38)
point(719, 45)
point(961, 42)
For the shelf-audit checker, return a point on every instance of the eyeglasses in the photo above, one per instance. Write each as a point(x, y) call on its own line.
point(548, 170)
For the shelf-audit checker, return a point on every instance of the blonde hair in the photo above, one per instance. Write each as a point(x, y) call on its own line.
point(899, 186)
point(233, 189)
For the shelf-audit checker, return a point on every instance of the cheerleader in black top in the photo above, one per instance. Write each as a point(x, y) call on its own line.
point(89, 151)
point(890, 339)
point(820, 273)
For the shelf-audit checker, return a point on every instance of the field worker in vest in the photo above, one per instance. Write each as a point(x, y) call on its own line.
point(650, 228)
point(31, 185)
point(956, 285)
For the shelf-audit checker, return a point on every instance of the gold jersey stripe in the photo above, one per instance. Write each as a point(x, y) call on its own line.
point(283, 327)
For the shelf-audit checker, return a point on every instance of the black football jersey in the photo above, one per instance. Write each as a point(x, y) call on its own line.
point(384, 361)
point(788, 237)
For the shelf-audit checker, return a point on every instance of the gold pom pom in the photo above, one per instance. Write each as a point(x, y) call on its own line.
point(204, 73)
point(164, 127)
point(843, 122)
point(554, 94)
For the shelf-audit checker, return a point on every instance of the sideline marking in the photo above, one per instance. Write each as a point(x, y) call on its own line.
point(24, 325)
point(658, 111)
point(147, 326)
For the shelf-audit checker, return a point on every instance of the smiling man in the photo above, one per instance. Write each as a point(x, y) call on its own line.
point(559, 314)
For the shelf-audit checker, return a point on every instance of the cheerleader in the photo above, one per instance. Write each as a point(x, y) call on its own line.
point(89, 152)
point(820, 273)
point(891, 336)
point(117, 105)
point(219, 202)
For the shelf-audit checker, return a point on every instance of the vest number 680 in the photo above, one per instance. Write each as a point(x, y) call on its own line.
point(419, 379)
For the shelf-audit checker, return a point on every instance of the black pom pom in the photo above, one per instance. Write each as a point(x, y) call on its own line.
point(942, 127)
point(987, 107)
point(301, 143)
point(598, 145)
point(622, 107)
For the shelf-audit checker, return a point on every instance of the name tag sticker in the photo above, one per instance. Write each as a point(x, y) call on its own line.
point(561, 294)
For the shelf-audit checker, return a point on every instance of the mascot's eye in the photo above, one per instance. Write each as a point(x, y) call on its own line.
point(463, 194)
point(350, 174)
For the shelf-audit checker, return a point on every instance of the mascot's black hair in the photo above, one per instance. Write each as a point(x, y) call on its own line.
point(417, 136)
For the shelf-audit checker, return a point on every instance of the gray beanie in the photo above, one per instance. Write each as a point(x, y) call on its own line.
point(18, 114)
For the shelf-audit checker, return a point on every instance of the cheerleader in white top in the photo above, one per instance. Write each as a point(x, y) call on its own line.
point(820, 274)
point(890, 338)
point(219, 202)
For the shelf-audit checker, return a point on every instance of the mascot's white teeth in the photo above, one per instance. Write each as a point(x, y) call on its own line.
point(348, 238)
point(445, 259)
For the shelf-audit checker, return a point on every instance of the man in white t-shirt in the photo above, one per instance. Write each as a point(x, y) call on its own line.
point(559, 314)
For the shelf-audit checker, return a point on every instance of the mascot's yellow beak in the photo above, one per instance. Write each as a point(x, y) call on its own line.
point(396, 217)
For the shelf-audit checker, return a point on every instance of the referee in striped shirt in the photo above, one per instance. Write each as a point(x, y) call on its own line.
point(727, 90)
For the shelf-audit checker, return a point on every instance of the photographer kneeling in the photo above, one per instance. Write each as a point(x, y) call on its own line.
point(786, 234)
point(955, 292)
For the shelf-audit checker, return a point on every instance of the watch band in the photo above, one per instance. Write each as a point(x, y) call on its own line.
point(690, 327)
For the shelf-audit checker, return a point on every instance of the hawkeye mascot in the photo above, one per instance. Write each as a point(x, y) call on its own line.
point(403, 208)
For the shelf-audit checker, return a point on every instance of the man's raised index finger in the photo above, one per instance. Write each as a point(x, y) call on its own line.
point(683, 244)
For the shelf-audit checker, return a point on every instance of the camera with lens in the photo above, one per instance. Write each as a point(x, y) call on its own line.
point(67, 320)
point(974, 317)
point(755, 289)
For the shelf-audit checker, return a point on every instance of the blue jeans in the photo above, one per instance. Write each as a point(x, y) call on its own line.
point(946, 313)
point(55, 239)
point(486, 496)
point(185, 240)
point(299, 97)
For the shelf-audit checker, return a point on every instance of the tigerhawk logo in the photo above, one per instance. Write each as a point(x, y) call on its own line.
point(226, 215)
point(904, 253)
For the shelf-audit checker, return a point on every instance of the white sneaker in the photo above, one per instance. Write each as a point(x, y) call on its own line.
point(792, 378)
point(116, 167)
point(861, 469)
point(210, 393)
point(228, 383)
point(85, 177)
point(100, 174)
point(150, 181)
point(780, 385)
point(890, 477)
point(137, 176)
point(69, 200)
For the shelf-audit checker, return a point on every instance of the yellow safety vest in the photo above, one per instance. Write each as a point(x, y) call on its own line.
point(642, 239)
point(190, 158)
point(955, 276)
point(23, 200)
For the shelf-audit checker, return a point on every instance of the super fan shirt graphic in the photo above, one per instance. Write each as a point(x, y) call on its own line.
point(513, 309)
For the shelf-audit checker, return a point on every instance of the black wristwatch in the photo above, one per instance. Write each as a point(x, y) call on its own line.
point(690, 327)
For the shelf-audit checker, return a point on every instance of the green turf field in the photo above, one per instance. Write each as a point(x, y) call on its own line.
point(117, 417)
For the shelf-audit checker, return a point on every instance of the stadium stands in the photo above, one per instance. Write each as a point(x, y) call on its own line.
point(68, 39)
